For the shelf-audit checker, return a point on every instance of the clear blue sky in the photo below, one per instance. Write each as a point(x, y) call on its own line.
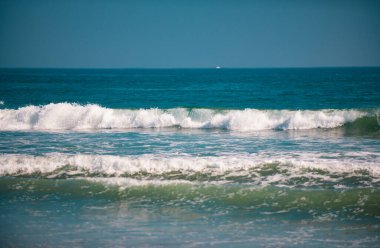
point(189, 33)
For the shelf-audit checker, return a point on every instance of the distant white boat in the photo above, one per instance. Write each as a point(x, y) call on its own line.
point(218, 67)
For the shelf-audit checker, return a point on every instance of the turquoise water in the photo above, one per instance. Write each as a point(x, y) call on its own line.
point(194, 158)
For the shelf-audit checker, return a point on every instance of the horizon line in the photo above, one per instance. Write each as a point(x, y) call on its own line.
point(182, 68)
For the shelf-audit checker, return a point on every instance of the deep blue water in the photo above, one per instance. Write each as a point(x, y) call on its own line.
point(201, 88)
point(195, 157)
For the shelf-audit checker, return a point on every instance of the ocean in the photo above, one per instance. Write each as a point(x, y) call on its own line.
point(190, 157)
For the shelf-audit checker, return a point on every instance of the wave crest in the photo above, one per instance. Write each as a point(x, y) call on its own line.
point(71, 116)
point(260, 169)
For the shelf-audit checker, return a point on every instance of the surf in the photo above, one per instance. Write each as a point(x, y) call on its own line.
point(72, 116)
point(304, 170)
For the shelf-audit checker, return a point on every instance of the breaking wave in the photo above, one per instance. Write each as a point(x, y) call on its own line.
point(260, 170)
point(72, 116)
point(271, 185)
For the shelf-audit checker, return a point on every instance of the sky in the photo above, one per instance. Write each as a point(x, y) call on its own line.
point(189, 33)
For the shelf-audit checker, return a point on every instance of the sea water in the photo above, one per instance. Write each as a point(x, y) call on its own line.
point(190, 157)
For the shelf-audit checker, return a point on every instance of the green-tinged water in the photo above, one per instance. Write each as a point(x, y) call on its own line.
point(190, 158)
point(105, 212)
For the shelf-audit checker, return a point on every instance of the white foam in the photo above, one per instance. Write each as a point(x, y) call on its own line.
point(238, 165)
point(71, 116)
point(123, 182)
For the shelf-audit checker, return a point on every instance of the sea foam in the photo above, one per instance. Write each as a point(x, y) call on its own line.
point(71, 116)
point(55, 164)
